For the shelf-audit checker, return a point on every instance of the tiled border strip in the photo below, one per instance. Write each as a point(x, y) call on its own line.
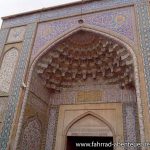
point(13, 99)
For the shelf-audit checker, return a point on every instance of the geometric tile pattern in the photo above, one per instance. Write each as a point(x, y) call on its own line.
point(18, 78)
point(16, 34)
point(52, 126)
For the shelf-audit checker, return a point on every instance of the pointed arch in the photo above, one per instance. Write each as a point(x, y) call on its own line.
point(9, 49)
point(90, 113)
point(123, 42)
point(7, 68)
point(91, 28)
point(80, 117)
point(97, 30)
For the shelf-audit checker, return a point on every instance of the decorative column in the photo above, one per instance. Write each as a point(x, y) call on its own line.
point(52, 127)
point(144, 29)
point(129, 117)
point(142, 10)
point(3, 38)
point(16, 85)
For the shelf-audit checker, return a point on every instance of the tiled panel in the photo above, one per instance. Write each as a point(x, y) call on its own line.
point(31, 136)
point(119, 21)
point(16, 34)
point(100, 93)
point(3, 108)
point(7, 69)
point(52, 125)
point(144, 30)
point(3, 37)
point(129, 117)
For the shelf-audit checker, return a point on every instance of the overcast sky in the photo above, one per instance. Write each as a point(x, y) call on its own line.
point(10, 7)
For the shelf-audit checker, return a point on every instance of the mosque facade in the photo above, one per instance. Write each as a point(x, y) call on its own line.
point(76, 73)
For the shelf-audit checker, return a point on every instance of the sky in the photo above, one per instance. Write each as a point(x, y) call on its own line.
point(10, 7)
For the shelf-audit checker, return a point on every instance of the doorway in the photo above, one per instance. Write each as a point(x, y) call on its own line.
point(89, 122)
point(89, 143)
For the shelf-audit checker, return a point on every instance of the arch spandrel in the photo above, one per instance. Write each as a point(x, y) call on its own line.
point(89, 28)
point(119, 21)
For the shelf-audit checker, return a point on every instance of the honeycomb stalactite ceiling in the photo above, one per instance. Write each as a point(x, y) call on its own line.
point(83, 56)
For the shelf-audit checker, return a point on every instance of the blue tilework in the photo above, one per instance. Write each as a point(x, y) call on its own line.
point(13, 99)
point(144, 30)
point(64, 12)
point(3, 37)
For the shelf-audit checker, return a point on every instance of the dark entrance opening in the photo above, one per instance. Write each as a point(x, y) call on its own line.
point(89, 143)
